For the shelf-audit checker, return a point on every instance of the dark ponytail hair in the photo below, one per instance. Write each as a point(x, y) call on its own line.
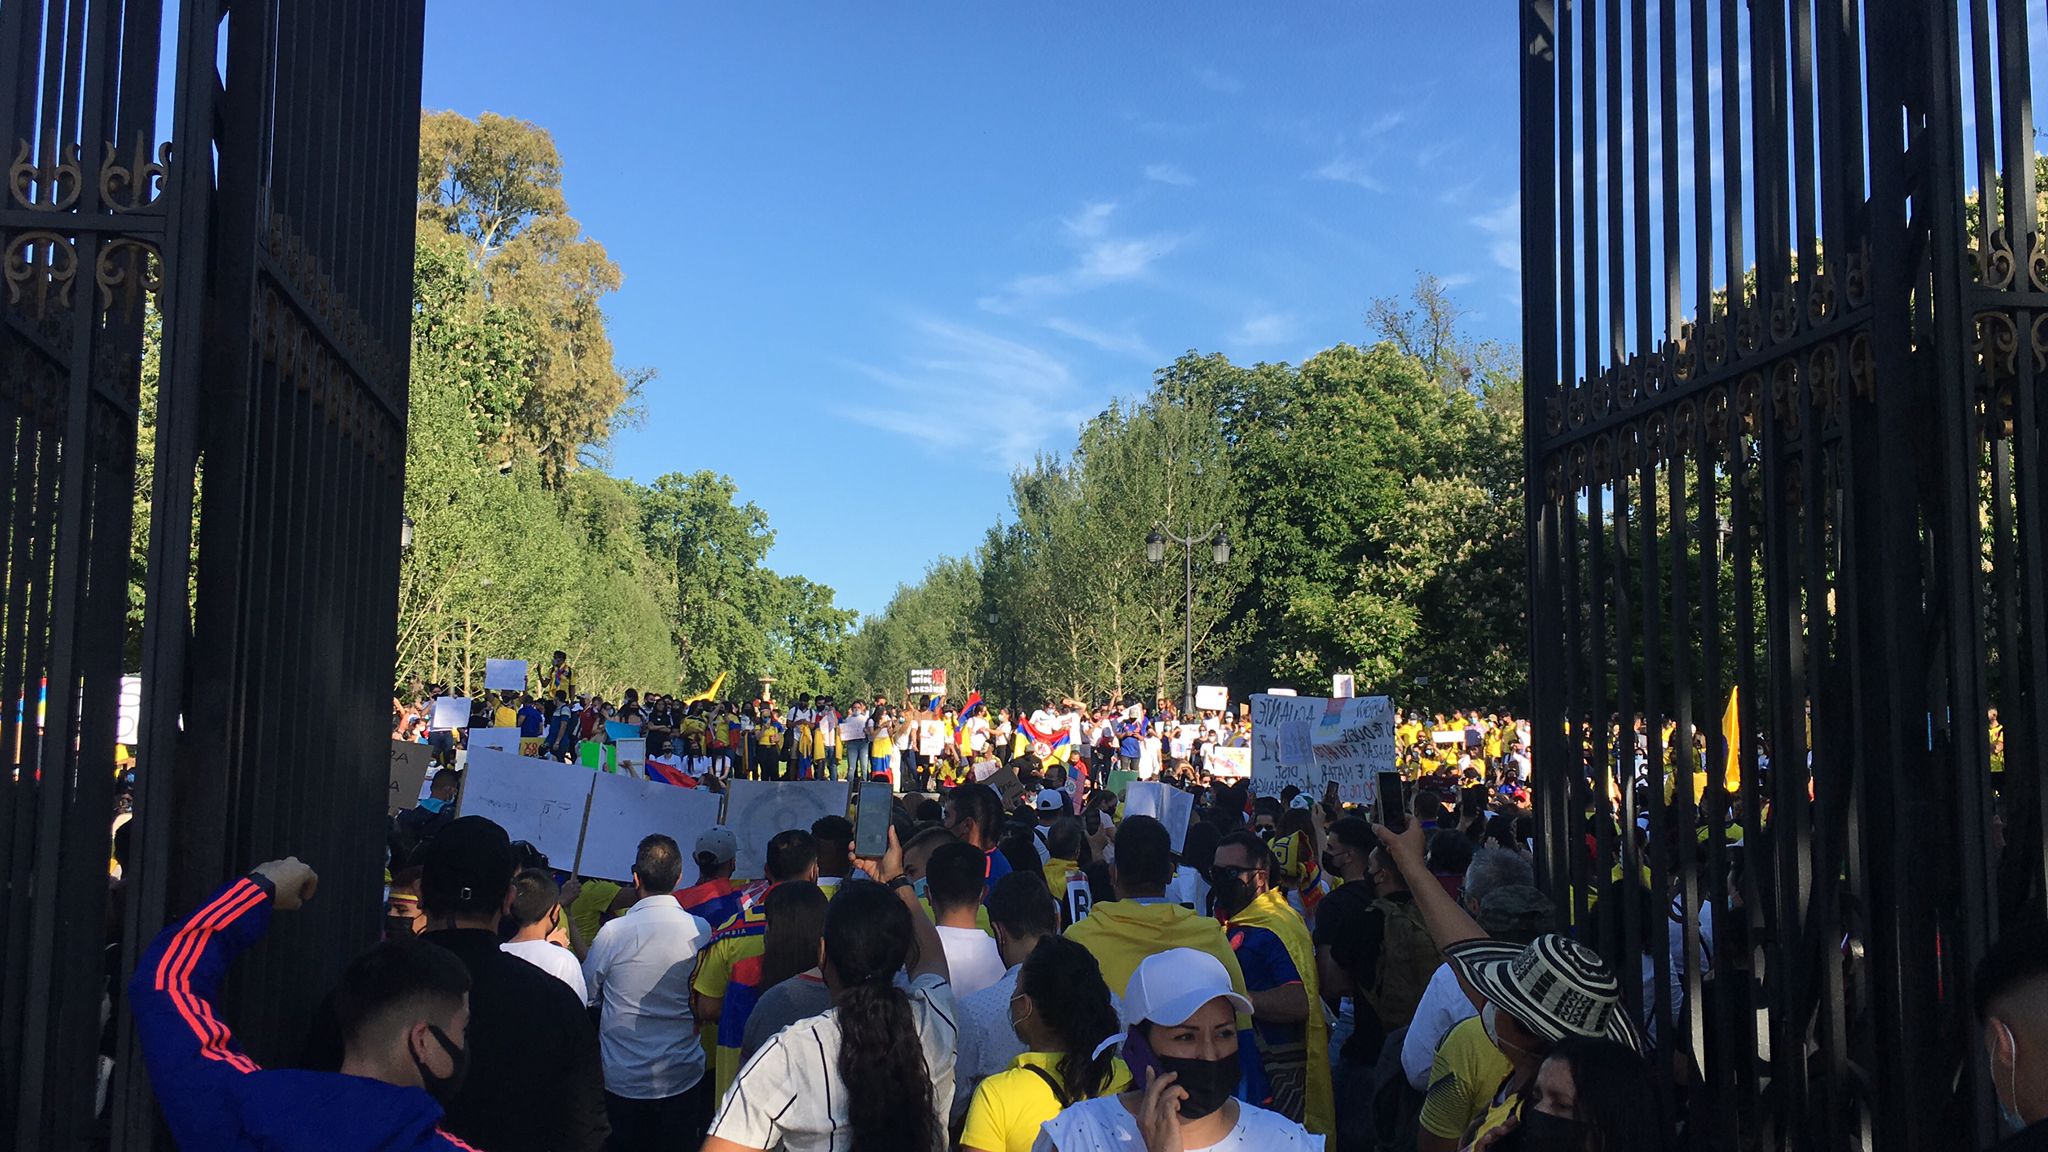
point(1067, 990)
point(881, 1059)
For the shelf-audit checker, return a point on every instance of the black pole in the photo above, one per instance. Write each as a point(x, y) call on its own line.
point(1187, 698)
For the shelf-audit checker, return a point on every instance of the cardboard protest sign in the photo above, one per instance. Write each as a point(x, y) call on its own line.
point(1212, 697)
point(625, 810)
point(1229, 763)
point(537, 801)
point(1119, 781)
point(505, 675)
point(632, 755)
point(1164, 803)
point(530, 745)
point(756, 810)
point(1353, 742)
point(1281, 751)
point(999, 777)
point(409, 763)
point(494, 740)
point(450, 713)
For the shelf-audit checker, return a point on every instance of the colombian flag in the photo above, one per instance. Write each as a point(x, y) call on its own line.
point(1047, 746)
point(967, 712)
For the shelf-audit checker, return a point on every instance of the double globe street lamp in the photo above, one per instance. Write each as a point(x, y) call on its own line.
point(1219, 551)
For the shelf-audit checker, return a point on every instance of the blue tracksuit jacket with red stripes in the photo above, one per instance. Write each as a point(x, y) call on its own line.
point(213, 1095)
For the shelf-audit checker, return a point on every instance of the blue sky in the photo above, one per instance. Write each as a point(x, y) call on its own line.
point(879, 254)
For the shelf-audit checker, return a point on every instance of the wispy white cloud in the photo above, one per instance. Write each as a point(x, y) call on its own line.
point(1457, 279)
point(1456, 193)
point(1385, 122)
point(1124, 341)
point(1168, 174)
point(1262, 329)
point(1222, 82)
point(1350, 170)
point(1023, 396)
point(1503, 228)
point(1101, 256)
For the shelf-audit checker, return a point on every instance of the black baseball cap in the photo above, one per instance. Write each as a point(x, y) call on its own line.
point(467, 863)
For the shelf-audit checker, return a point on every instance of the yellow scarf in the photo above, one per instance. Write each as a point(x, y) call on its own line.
point(1271, 912)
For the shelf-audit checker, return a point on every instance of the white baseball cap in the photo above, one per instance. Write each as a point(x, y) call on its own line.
point(1050, 800)
point(1171, 986)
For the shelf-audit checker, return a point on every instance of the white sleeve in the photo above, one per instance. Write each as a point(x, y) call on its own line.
point(762, 1091)
point(597, 962)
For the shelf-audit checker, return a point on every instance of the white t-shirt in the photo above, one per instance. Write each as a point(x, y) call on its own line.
point(1443, 1005)
point(790, 1093)
point(1105, 1125)
point(972, 959)
point(554, 960)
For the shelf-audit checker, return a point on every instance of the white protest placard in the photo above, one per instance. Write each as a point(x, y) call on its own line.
point(625, 810)
point(1229, 763)
point(538, 801)
point(756, 810)
point(634, 753)
point(1343, 686)
point(128, 715)
point(505, 675)
point(1212, 697)
point(1354, 742)
point(1281, 751)
point(408, 774)
point(1281, 692)
point(450, 713)
point(1164, 803)
point(504, 740)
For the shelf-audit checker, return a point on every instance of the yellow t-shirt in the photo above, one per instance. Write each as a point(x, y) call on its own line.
point(505, 717)
point(714, 973)
point(588, 911)
point(1463, 1081)
point(1011, 1106)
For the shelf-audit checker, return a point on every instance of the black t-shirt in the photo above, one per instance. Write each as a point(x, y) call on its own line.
point(1353, 929)
point(535, 1083)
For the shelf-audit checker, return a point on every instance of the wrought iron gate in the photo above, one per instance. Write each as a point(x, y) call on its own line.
point(1785, 482)
point(274, 238)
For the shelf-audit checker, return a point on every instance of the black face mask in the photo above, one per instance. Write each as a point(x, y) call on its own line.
point(443, 1088)
point(1208, 1083)
point(1330, 865)
point(1543, 1132)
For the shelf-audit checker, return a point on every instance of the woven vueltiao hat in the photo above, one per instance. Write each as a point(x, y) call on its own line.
point(1555, 987)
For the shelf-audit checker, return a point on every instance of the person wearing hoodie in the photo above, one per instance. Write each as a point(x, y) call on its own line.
point(1141, 921)
point(402, 1008)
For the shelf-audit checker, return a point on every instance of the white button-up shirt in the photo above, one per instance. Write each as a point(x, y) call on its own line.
point(639, 970)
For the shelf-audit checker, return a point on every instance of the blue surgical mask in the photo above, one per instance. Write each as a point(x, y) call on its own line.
point(918, 887)
point(433, 803)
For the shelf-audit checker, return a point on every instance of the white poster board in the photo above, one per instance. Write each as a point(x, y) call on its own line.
point(756, 810)
point(1343, 686)
point(538, 801)
point(1282, 753)
point(504, 740)
point(450, 713)
point(632, 755)
point(128, 714)
point(1280, 692)
point(625, 810)
point(1354, 742)
point(1212, 697)
point(505, 675)
point(1229, 763)
point(1164, 803)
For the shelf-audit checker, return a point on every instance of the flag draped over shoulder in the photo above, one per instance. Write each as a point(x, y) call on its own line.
point(968, 711)
point(1048, 744)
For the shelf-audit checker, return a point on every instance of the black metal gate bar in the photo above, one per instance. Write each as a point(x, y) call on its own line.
point(1849, 407)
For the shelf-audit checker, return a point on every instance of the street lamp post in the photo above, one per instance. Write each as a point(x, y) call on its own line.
point(1219, 551)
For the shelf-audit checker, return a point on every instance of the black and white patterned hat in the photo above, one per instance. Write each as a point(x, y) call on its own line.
point(1554, 986)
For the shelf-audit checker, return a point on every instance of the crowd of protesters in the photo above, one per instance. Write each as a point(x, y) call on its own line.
point(1047, 973)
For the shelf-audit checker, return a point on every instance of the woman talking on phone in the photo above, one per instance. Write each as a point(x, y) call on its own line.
point(1181, 1047)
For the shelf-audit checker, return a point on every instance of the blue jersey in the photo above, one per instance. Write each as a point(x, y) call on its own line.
point(214, 1096)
